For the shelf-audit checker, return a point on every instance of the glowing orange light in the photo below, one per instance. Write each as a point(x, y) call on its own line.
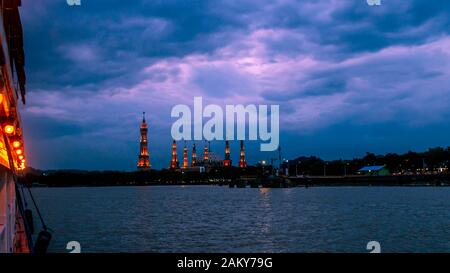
point(19, 151)
point(16, 144)
point(20, 157)
point(9, 129)
point(1, 98)
point(23, 161)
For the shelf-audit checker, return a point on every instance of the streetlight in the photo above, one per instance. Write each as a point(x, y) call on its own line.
point(296, 167)
point(345, 168)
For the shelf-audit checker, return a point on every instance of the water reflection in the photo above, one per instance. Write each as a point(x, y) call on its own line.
point(266, 219)
point(220, 219)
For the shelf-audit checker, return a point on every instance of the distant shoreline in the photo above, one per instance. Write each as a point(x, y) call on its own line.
point(441, 180)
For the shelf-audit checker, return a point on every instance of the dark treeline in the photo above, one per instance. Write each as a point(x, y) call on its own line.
point(435, 160)
point(64, 178)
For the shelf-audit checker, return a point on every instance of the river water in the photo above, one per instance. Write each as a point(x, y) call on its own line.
point(220, 219)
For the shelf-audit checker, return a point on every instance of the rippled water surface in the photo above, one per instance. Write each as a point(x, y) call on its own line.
point(220, 219)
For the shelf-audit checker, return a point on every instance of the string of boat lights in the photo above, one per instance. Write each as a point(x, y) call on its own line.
point(11, 127)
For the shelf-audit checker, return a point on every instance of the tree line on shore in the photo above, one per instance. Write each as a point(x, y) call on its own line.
point(432, 161)
point(152, 177)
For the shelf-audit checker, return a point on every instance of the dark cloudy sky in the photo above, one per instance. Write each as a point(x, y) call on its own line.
point(348, 77)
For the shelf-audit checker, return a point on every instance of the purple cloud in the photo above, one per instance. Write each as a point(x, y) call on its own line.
point(327, 63)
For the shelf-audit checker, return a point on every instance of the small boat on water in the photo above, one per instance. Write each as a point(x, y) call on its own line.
point(16, 224)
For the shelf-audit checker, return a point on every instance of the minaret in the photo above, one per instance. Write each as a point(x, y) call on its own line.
point(174, 162)
point(185, 157)
point(242, 162)
point(227, 160)
point(205, 154)
point(144, 161)
point(194, 156)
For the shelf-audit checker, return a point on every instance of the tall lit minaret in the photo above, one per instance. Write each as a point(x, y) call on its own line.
point(227, 160)
point(205, 154)
point(242, 162)
point(185, 157)
point(174, 162)
point(194, 156)
point(143, 161)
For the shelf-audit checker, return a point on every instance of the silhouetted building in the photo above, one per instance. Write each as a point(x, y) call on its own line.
point(196, 169)
point(215, 160)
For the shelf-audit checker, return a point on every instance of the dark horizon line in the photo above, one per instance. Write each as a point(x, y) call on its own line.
point(249, 165)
